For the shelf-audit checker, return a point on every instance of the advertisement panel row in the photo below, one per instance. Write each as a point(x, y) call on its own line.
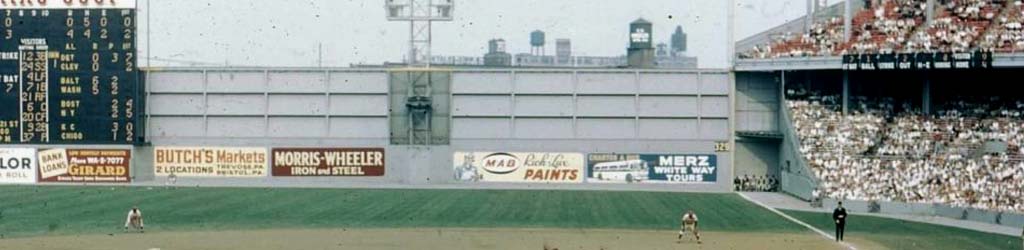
point(82, 165)
point(546, 167)
point(253, 162)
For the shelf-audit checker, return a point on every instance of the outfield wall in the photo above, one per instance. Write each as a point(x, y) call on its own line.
point(581, 111)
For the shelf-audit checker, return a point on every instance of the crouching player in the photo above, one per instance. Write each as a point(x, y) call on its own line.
point(689, 223)
point(134, 220)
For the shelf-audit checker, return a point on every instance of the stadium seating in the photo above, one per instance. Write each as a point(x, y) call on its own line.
point(888, 151)
point(899, 26)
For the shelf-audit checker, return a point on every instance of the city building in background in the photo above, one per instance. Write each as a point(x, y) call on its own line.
point(496, 55)
point(671, 55)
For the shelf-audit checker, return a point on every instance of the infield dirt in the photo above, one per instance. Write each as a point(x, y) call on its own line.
point(423, 238)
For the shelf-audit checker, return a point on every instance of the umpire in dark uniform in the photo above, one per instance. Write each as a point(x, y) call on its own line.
point(839, 216)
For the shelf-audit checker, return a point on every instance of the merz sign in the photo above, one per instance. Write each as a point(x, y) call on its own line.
point(918, 61)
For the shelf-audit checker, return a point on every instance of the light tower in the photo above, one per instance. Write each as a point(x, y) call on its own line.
point(420, 14)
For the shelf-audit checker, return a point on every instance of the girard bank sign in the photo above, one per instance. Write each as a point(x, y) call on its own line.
point(541, 167)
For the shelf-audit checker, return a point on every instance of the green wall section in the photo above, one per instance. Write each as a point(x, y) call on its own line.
point(32, 210)
point(899, 234)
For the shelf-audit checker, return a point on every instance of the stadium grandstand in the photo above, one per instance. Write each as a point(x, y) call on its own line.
point(896, 102)
point(907, 26)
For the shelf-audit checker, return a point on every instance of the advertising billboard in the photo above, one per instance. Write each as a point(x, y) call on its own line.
point(540, 167)
point(210, 161)
point(327, 162)
point(84, 165)
point(652, 168)
point(18, 165)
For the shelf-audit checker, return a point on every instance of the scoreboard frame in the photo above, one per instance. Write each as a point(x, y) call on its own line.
point(82, 104)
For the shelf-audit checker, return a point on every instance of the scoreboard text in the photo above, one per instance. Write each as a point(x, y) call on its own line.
point(68, 72)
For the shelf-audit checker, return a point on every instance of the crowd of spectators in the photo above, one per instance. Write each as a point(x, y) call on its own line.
point(883, 150)
point(890, 26)
point(900, 26)
point(1007, 34)
point(823, 39)
point(756, 183)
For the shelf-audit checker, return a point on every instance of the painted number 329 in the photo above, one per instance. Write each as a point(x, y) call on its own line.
point(721, 146)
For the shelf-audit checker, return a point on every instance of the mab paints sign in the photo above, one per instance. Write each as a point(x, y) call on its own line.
point(540, 167)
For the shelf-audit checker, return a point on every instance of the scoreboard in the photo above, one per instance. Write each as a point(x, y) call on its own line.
point(68, 72)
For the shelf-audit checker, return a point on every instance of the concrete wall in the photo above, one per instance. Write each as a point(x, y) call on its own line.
point(757, 157)
point(586, 111)
point(757, 102)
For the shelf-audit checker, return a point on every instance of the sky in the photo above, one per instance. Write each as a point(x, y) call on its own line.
point(288, 33)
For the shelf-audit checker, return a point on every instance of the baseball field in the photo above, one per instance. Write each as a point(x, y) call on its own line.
point(78, 217)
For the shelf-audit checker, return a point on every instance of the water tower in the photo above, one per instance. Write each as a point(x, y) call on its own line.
point(537, 43)
point(640, 53)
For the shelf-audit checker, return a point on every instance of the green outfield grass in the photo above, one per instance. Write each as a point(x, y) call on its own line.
point(899, 234)
point(57, 210)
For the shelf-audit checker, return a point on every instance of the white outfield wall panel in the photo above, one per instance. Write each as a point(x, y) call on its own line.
point(482, 83)
point(665, 83)
point(289, 104)
point(357, 82)
point(302, 127)
point(236, 127)
point(606, 106)
point(359, 127)
point(668, 129)
point(715, 106)
point(668, 106)
point(296, 82)
point(236, 104)
point(175, 82)
point(606, 128)
point(481, 105)
point(560, 83)
point(236, 82)
point(554, 106)
point(176, 104)
point(192, 127)
point(527, 110)
point(543, 128)
point(714, 84)
point(359, 105)
point(607, 83)
point(481, 128)
point(714, 129)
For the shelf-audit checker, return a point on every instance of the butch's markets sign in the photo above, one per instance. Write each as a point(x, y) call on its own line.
point(327, 162)
point(18, 165)
point(210, 162)
point(518, 167)
point(84, 165)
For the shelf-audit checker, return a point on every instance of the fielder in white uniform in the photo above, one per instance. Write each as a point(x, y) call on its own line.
point(134, 220)
point(689, 223)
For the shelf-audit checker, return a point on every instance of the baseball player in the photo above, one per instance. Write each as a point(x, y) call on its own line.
point(689, 223)
point(134, 220)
